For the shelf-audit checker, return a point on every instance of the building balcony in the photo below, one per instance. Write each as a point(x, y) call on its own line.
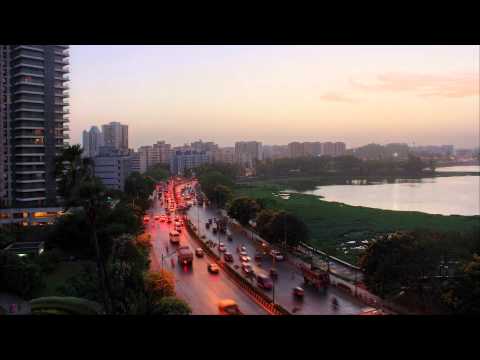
point(26, 118)
point(29, 82)
point(62, 70)
point(27, 136)
point(29, 145)
point(26, 47)
point(61, 86)
point(30, 190)
point(23, 73)
point(29, 127)
point(29, 110)
point(66, 128)
point(62, 78)
point(29, 101)
point(29, 92)
point(29, 181)
point(31, 199)
point(62, 61)
point(24, 64)
point(61, 103)
point(29, 154)
point(31, 57)
point(29, 172)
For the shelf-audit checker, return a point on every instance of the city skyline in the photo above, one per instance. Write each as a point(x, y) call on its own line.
point(279, 94)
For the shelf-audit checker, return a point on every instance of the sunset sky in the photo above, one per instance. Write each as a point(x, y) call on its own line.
point(277, 94)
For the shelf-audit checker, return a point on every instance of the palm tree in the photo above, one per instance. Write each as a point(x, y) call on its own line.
point(80, 188)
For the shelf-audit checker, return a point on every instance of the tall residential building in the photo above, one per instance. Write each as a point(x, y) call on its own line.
point(91, 142)
point(145, 158)
point(340, 149)
point(33, 123)
point(161, 153)
point(112, 167)
point(225, 155)
point(295, 149)
point(247, 152)
point(184, 160)
point(328, 148)
point(115, 135)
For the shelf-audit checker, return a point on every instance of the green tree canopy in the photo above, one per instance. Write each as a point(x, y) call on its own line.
point(281, 227)
point(19, 275)
point(243, 209)
point(172, 306)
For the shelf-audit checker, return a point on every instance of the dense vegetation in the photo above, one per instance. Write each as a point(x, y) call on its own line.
point(431, 271)
point(342, 165)
point(102, 228)
point(332, 224)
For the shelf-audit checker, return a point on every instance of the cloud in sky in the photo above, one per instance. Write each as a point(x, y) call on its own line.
point(336, 97)
point(450, 86)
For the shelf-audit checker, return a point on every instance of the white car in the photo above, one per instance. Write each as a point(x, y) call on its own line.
point(277, 255)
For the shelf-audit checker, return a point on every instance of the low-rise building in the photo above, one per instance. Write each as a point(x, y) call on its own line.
point(112, 167)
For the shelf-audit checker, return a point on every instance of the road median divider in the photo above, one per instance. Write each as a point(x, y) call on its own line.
point(254, 293)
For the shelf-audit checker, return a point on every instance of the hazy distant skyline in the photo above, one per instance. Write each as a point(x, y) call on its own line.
point(277, 94)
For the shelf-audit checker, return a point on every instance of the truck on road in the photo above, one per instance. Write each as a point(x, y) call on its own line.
point(315, 276)
point(185, 255)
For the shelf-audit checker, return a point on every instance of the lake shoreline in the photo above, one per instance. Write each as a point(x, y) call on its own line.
point(333, 224)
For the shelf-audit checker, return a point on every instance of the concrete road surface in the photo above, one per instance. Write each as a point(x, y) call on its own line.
point(314, 302)
point(197, 286)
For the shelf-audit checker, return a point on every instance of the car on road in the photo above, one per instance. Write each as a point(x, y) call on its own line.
point(157, 217)
point(264, 282)
point(146, 219)
point(169, 220)
point(258, 257)
point(199, 252)
point(247, 268)
point(277, 255)
point(174, 237)
point(244, 258)
point(228, 307)
point(243, 253)
point(213, 268)
point(222, 248)
point(298, 292)
point(243, 248)
point(228, 257)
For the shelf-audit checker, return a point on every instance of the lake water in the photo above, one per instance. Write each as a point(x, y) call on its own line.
point(455, 195)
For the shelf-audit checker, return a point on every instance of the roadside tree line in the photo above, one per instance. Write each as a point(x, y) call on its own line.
point(346, 165)
point(274, 225)
point(426, 270)
point(104, 226)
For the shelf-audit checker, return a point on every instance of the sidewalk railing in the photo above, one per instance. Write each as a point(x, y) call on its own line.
point(259, 297)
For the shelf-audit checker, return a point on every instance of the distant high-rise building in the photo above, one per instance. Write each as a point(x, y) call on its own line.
point(91, 141)
point(180, 161)
point(340, 149)
point(115, 135)
point(308, 148)
point(248, 152)
point(33, 123)
point(328, 148)
point(160, 153)
point(295, 150)
point(146, 158)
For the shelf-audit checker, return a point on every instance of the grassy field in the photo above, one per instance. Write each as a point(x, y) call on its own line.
point(333, 224)
point(59, 276)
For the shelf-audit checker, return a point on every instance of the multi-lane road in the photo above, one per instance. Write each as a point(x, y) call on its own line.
point(195, 285)
point(289, 277)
